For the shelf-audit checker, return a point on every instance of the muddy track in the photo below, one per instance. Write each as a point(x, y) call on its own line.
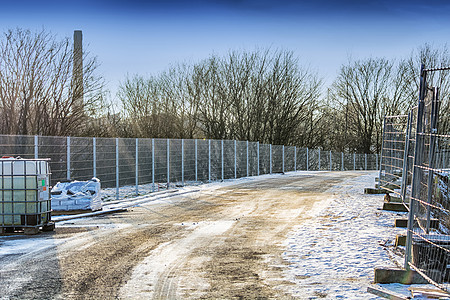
point(218, 243)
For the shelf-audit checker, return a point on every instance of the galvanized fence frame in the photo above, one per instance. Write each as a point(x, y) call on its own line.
point(428, 234)
point(120, 162)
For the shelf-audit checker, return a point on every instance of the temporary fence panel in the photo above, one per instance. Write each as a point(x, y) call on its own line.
point(428, 239)
point(393, 153)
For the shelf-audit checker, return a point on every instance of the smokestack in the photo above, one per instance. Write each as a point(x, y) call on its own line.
point(78, 68)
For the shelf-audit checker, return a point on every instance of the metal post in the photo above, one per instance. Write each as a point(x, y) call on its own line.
point(247, 159)
point(36, 147)
point(342, 159)
point(235, 160)
point(168, 163)
point(283, 160)
point(331, 163)
point(417, 172)
point(365, 161)
point(431, 154)
point(221, 146)
point(257, 153)
point(94, 157)
point(182, 162)
point(68, 158)
point(137, 167)
point(354, 161)
point(382, 146)
point(270, 158)
point(295, 158)
point(405, 158)
point(209, 160)
point(196, 161)
point(153, 165)
point(376, 163)
point(117, 168)
point(307, 159)
point(319, 159)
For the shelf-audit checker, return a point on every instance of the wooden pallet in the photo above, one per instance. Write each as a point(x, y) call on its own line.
point(6, 230)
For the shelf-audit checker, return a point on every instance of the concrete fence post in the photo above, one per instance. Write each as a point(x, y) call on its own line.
point(36, 147)
point(117, 168)
point(68, 158)
point(282, 170)
point(376, 159)
point(342, 161)
point(354, 161)
point(137, 167)
point(365, 161)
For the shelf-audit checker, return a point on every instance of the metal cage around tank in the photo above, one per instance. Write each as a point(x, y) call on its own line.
point(25, 198)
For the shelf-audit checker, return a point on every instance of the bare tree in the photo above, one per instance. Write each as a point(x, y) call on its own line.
point(361, 91)
point(36, 85)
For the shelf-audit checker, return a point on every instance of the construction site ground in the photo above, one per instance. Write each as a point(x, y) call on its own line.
point(221, 242)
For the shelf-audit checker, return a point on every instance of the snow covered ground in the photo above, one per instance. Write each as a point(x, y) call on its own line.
point(332, 255)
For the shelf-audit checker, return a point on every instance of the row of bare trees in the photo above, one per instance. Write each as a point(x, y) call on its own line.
point(367, 90)
point(258, 96)
point(37, 85)
point(263, 95)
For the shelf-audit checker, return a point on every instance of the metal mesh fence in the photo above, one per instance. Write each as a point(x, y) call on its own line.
point(415, 166)
point(427, 188)
point(394, 148)
point(120, 162)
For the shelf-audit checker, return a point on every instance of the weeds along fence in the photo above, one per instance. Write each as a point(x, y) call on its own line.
point(421, 151)
point(119, 162)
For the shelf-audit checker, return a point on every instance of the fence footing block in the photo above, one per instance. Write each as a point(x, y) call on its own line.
point(385, 293)
point(385, 275)
point(374, 191)
point(387, 186)
point(394, 207)
point(434, 223)
point(400, 240)
point(395, 199)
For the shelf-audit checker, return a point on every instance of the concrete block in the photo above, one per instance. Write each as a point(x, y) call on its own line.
point(396, 199)
point(394, 207)
point(374, 191)
point(400, 240)
point(434, 223)
point(385, 275)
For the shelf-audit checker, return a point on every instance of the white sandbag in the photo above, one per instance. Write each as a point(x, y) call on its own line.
point(77, 195)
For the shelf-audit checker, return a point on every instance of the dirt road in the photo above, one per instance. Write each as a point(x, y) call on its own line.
point(217, 243)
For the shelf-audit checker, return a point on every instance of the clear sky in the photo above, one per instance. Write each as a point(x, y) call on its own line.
point(145, 37)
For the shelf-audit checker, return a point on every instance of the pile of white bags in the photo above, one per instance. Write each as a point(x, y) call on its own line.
point(77, 195)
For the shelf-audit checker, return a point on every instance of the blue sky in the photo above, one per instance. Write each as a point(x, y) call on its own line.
point(145, 37)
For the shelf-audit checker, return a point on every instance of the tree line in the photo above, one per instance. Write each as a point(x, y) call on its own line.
point(263, 95)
